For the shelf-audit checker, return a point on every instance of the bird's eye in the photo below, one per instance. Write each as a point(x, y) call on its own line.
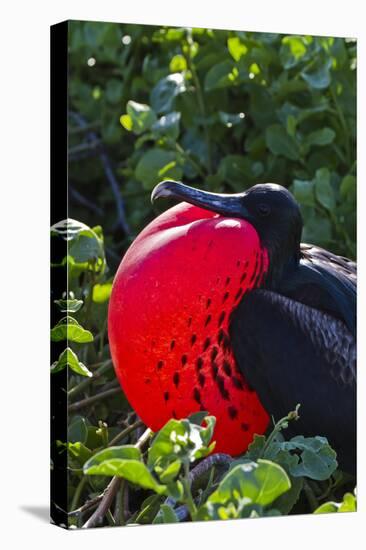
point(264, 209)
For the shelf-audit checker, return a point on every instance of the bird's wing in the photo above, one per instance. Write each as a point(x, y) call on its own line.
point(291, 353)
point(345, 267)
point(324, 281)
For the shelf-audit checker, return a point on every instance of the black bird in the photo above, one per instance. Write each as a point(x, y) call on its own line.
point(294, 338)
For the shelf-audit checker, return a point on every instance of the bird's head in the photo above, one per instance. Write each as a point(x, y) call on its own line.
point(269, 208)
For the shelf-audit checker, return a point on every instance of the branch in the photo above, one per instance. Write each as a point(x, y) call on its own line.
point(87, 506)
point(92, 137)
point(90, 400)
point(105, 366)
point(126, 432)
point(112, 489)
point(84, 201)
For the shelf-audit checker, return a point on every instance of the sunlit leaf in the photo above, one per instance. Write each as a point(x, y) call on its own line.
point(69, 329)
point(101, 292)
point(69, 359)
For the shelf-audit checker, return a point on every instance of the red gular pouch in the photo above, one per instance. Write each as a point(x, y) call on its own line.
point(168, 322)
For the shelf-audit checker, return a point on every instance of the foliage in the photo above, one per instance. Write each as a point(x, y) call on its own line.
point(274, 477)
point(221, 110)
point(348, 504)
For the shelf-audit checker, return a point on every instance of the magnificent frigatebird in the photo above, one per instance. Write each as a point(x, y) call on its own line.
point(218, 306)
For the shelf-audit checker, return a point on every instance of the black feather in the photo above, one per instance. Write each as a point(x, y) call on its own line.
point(293, 353)
point(324, 281)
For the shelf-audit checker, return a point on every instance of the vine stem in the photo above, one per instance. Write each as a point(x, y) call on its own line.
point(188, 493)
point(104, 367)
point(78, 491)
point(126, 432)
point(93, 399)
point(112, 489)
point(343, 122)
point(279, 426)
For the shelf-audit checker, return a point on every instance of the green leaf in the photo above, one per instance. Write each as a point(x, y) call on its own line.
point(231, 119)
point(155, 165)
point(77, 430)
point(139, 118)
point(166, 514)
point(256, 447)
point(239, 170)
point(304, 192)
point(254, 482)
point(327, 508)
point(317, 229)
point(126, 122)
point(148, 509)
point(101, 292)
point(175, 489)
point(317, 73)
point(86, 246)
point(236, 48)
point(69, 359)
point(180, 440)
point(197, 417)
point(348, 504)
point(280, 143)
point(348, 188)
point(323, 189)
point(69, 329)
point(178, 64)
point(292, 51)
point(323, 136)
point(221, 75)
point(69, 306)
point(171, 472)
point(133, 470)
point(118, 452)
point(79, 452)
point(168, 125)
point(165, 91)
point(287, 501)
point(318, 459)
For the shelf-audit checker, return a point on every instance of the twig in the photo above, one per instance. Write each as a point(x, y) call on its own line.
point(85, 383)
point(90, 400)
point(121, 504)
point(92, 137)
point(111, 490)
point(87, 506)
point(279, 426)
point(84, 201)
point(78, 491)
point(86, 128)
point(105, 503)
point(125, 432)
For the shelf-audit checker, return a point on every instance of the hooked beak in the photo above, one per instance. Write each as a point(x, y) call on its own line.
point(221, 203)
